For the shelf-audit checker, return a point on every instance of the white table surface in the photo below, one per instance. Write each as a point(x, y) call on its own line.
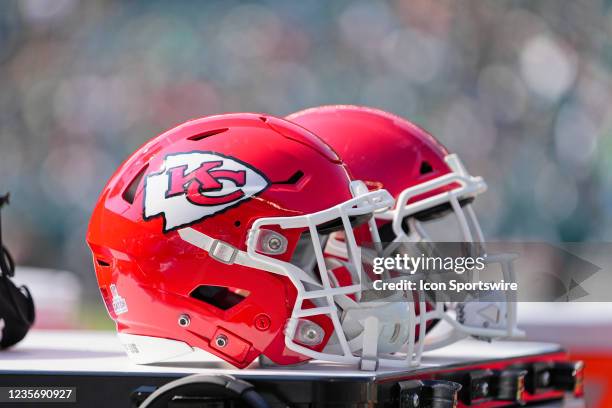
point(100, 352)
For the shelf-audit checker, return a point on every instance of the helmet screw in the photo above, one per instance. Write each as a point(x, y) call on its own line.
point(311, 334)
point(262, 322)
point(184, 320)
point(484, 389)
point(274, 243)
point(415, 400)
point(545, 379)
point(221, 341)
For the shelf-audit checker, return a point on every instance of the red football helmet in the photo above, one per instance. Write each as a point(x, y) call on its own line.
point(429, 184)
point(210, 237)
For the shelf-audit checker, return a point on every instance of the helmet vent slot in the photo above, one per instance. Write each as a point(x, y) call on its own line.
point(102, 262)
point(129, 194)
point(293, 179)
point(425, 168)
point(219, 296)
point(208, 133)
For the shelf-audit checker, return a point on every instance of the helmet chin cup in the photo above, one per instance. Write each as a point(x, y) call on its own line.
point(482, 314)
point(393, 324)
point(491, 316)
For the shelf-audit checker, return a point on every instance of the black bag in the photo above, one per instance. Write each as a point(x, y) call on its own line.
point(16, 305)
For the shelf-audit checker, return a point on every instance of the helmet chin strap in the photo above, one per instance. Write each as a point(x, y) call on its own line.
point(369, 351)
point(211, 245)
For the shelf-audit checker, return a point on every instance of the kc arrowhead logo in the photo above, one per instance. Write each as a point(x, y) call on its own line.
point(196, 185)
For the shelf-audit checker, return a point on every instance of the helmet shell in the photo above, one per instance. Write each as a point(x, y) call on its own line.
point(149, 276)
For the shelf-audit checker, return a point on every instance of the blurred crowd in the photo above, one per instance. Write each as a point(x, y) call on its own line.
point(521, 90)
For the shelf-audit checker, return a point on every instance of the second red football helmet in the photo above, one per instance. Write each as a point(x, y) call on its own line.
point(429, 185)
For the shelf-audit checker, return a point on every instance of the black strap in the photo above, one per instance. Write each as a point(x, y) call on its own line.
point(7, 265)
point(16, 304)
point(202, 385)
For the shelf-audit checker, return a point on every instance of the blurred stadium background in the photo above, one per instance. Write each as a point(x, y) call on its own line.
point(521, 90)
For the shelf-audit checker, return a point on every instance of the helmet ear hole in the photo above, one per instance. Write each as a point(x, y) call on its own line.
point(219, 296)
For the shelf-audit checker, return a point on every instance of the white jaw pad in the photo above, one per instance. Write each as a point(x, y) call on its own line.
point(147, 349)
